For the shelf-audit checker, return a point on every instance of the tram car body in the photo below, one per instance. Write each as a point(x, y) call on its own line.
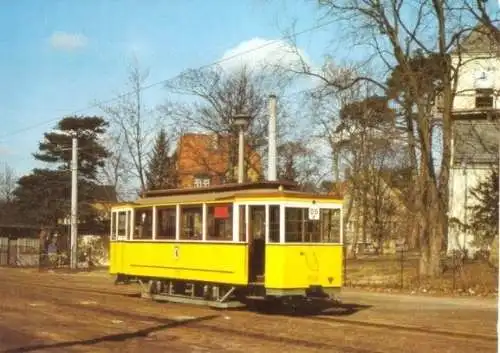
point(227, 244)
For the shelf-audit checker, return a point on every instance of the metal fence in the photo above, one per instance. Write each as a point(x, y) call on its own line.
point(32, 252)
point(19, 252)
point(401, 271)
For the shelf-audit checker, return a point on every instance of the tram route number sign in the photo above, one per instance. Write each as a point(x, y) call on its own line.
point(314, 213)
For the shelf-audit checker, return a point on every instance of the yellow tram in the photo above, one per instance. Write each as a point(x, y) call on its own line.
point(225, 244)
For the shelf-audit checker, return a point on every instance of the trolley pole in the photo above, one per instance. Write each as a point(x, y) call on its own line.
point(74, 203)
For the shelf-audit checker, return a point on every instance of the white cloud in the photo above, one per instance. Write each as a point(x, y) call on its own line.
point(5, 151)
point(257, 53)
point(67, 41)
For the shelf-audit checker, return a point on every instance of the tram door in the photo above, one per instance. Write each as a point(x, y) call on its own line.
point(257, 243)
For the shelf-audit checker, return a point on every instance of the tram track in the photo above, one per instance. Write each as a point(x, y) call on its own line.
point(44, 284)
point(202, 323)
point(406, 328)
point(316, 318)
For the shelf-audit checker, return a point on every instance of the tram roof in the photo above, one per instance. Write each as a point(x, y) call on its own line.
point(266, 189)
point(232, 187)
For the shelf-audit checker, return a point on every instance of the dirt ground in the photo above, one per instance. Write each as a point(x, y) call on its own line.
point(55, 312)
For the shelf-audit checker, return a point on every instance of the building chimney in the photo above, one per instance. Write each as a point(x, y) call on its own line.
point(272, 151)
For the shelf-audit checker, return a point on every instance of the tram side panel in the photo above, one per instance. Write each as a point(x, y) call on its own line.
point(207, 262)
point(115, 251)
point(116, 259)
point(293, 267)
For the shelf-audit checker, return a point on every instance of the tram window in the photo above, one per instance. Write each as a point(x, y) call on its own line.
point(274, 223)
point(330, 225)
point(257, 222)
point(166, 223)
point(191, 223)
point(220, 222)
point(113, 226)
point(143, 227)
point(242, 223)
point(294, 225)
point(299, 229)
point(122, 224)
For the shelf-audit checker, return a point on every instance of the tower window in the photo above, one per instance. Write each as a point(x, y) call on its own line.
point(484, 98)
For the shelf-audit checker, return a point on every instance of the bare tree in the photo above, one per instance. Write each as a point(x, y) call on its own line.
point(8, 182)
point(394, 39)
point(218, 96)
point(115, 171)
point(299, 163)
point(369, 141)
point(479, 10)
point(134, 126)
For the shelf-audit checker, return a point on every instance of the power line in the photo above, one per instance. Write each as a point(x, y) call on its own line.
point(151, 85)
point(83, 149)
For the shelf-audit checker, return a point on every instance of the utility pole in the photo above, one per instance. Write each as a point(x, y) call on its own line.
point(241, 120)
point(74, 202)
point(241, 155)
point(271, 171)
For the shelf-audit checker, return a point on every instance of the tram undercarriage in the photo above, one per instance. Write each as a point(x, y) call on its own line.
point(221, 296)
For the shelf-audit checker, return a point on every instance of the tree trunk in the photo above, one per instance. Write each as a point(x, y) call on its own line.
point(430, 214)
point(354, 247)
point(493, 258)
point(347, 217)
point(414, 197)
point(431, 233)
point(42, 236)
point(412, 143)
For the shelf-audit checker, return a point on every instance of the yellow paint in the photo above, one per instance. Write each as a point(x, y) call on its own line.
point(211, 262)
point(296, 266)
point(288, 266)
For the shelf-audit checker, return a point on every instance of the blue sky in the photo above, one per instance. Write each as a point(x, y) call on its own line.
point(60, 56)
point(57, 57)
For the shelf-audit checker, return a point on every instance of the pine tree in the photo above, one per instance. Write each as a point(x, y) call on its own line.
point(484, 214)
point(43, 196)
point(56, 147)
point(161, 172)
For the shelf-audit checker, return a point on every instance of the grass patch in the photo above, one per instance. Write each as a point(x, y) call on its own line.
point(390, 272)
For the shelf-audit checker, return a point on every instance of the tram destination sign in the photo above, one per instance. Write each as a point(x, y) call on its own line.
point(314, 212)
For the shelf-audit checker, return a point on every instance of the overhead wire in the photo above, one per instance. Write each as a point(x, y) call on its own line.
point(164, 81)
